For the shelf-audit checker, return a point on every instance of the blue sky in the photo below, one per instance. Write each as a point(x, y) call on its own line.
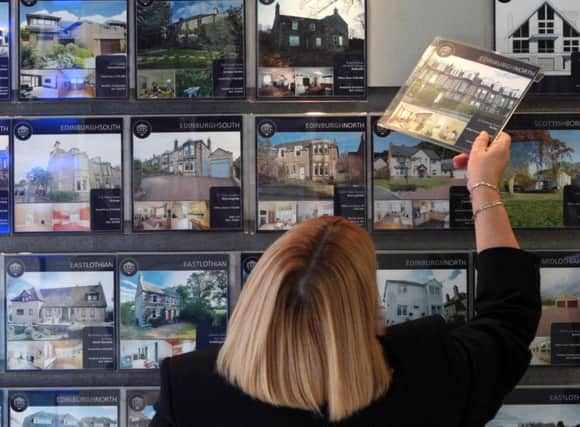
point(4, 15)
point(570, 137)
point(162, 279)
point(382, 144)
point(76, 411)
point(347, 141)
point(72, 11)
point(186, 9)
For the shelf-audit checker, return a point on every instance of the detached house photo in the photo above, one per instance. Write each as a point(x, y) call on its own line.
point(37, 415)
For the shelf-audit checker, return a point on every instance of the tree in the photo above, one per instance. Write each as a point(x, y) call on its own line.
point(137, 175)
point(39, 177)
point(266, 160)
point(128, 313)
point(154, 16)
point(30, 58)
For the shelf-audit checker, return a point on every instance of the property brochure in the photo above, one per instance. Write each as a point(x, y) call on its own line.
point(190, 49)
point(5, 50)
point(249, 261)
point(310, 166)
point(140, 410)
point(67, 407)
point(557, 407)
point(60, 312)
point(171, 304)
point(415, 184)
point(415, 285)
point(73, 49)
point(557, 339)
point(456, 91)
point(67, 175)
point(543, 33)
point(187, 173)
point(5, 205)
point(541, 187)
point(311, 49)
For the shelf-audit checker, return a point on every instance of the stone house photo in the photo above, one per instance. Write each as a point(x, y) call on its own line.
point(154, 304)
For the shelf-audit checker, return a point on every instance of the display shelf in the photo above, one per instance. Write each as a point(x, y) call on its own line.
point(58, 379)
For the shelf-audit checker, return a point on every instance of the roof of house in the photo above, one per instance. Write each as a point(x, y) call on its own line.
point(53, 416)
point(409, 283)
point(306, 142)
point(149, 287)
point(221, 153)
point(566, 9)
point(335, 16)
point(74, 296)
point(405, 151)
point(27, 295)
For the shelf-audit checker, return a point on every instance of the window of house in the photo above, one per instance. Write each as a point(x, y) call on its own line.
point(93, 312)
point(521, 46)
point(312, 26)
point(83, 312)
point(546, 46)
point(294, 41)
point(340, 41)
point(571, 45)
point(297, 151)
point(569, 31)
point(45, 36)
point(402, 289)
point(93, 296)
point(523, 31)
point(401, 310)
point(295, 25)
point(154, 298)
point(20, 312)
point(318, 42)
point(326, 170)
point(435, 309)
point(546, 19)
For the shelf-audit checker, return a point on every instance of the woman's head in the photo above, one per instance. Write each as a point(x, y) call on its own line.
point(303, 333)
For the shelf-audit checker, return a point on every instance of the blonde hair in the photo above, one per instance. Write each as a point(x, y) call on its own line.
point(304, 330)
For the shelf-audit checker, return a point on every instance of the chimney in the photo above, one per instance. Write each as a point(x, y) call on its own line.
point(277, 9)
point(447, 298)
point(455, 291)
point(209, 145)
point(336, 10)
point(175, 145)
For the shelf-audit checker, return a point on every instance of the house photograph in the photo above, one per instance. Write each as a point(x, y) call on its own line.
point(292, 34)
point(543, 164)
point(412, 294)
point(393, 214)
point(73, 416)
point(154, 216)
point(541, 32)
point(549, 415)
point(276, 216)
point(148, 354)
point(280, 81)
point(4, 29)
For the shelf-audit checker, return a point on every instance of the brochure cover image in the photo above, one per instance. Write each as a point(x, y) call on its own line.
point(312, 49)
point(67, 407)
point(541, 187)
point(60, 312)
point(171, 304)
point(415, 184)
point(73, 49)
point(67, 175)
point(543, 33)
point(187, 173)
point(5, 50)
point(309, 167)
point(190, 49)
point(556, 407)
point(455, 92)
point(249, 261)
point(5, 205)
point(556, 341)
point(140, 409)
point(415, 285)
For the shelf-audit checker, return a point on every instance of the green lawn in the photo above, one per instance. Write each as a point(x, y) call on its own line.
point(419, 183)
point(535, 210)
point(178, 58)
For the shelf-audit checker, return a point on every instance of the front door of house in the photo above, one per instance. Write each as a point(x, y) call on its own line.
point(110, 47)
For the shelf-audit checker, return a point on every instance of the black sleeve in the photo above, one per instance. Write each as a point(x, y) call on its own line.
point(491, 353)
point(163, 408)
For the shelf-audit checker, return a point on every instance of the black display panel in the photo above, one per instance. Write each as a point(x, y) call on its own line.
point(546, 34)
point(541, 187)
point(5, 204)
point(187, 173)
point(171, 304)
point(60, 312)
point(140, 409)
point(68, 175)
point(66, 407)
point(5, 50)
point(190, 49)
point(308, 167)
point(311, 50)
point(73, 49)
point(558, 407)
point(415, 285)
point(415, 184)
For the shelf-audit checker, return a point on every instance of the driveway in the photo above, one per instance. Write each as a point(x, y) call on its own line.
point(173, 188)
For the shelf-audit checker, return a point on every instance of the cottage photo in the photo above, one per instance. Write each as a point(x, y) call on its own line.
point(61, 41)
point(140, 409)
point(565, 415)
point(412, 294)
point(183, 39)
point(543, 163)
point(81, 416)
point(560, 290)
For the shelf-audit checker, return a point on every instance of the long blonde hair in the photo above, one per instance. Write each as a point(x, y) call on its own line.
point(304, 330)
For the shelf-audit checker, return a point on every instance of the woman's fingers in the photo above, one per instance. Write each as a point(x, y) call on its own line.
point(481, 142)
point(460, 161)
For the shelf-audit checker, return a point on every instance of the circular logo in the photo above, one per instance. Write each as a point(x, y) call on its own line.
point(15, 269)
point(249, 264)
point(28, 2)
point(445, 49)
point(129, 267)
point(504, 1)
point(381, 131)
point(137, 403)
point(145, 2)
point(267, 2)
point(19, 403)
point(267, 128)
point(142, 129)
point(23, 131)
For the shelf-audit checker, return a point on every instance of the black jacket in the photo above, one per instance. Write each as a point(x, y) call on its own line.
point(443, 376)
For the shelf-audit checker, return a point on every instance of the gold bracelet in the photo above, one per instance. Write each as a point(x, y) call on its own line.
point(486, 206)
point(483, 184)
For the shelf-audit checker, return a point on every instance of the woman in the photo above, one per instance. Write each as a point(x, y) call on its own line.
point(305, 346)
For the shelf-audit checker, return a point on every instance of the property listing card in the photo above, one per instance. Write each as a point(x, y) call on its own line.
point(187, 173)
point(5, 204)
point(66, 407)
point(557, 340)
point(313, 49)
point(541, 187)
point(171, 304)
point(140, 409)
point(68, 175)
point(73, 49)
point(60, 312)
point(310, 166)
point(543, 33)
point(415, 285)
point(5, 51)
point(415, 184)
point(558, 407)
point(190, 49)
